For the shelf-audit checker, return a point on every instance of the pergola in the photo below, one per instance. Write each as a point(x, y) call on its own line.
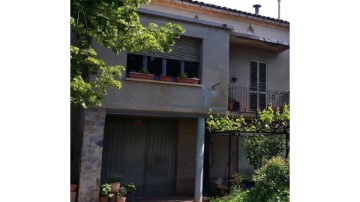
point(275, 130)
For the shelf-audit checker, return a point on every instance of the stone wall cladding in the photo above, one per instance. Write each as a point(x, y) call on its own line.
point(91, 154)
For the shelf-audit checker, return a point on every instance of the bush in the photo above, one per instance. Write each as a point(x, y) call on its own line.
point(272, 182)
point(236, 195)
point(259, 148)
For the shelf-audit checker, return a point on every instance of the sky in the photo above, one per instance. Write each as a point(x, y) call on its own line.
point(268, 8)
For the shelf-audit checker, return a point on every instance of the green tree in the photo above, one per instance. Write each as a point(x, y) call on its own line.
point(113, 24)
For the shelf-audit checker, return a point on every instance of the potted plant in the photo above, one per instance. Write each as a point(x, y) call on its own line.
point(105, 193)
point(121, 195)
point(166, 78)
point(114, 181)
point(130, 189)
point(142, 74)
point(183, 78)
point(73, 186)
point(73, 189)
point(231, 102)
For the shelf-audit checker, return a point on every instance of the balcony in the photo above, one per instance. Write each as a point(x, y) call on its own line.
point(248, 100)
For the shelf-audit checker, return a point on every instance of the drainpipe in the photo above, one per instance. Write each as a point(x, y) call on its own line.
point(257, 6)
point(199, 159)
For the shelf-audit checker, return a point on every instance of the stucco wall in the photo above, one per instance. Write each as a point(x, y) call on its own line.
point(219, 154)
point(239, 26)
point(186, 151)
point(277, 65)
point(157, 97)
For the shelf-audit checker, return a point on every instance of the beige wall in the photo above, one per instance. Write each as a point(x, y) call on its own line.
point(157, 97)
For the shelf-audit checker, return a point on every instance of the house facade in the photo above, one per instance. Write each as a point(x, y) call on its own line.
point(152, 131)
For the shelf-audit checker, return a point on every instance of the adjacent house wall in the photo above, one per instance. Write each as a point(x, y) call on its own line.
point(277, 65)
point(157, 97)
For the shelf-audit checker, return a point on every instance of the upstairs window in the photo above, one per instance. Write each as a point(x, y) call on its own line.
point(257, 85)
point(185, 57)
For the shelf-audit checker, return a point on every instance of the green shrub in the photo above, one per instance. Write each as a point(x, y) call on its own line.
point(236, 195)
point(272, 182)
point(260, 148)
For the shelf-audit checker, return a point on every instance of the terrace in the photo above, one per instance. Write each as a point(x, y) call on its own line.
point(247, 101)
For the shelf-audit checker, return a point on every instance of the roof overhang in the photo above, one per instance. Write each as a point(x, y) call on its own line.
point(258, 42)
point(145, 11)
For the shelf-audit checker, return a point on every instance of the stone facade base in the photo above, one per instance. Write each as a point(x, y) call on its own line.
point(93, 122)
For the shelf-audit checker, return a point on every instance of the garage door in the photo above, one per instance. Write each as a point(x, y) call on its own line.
point(142, 150)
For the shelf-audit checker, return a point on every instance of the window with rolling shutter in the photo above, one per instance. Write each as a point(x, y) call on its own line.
point(185, 48)
point(257, 85)
point(184, 58)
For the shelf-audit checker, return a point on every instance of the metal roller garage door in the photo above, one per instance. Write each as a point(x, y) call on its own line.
point(142, 150)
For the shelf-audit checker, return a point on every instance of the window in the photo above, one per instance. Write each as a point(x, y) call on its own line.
point(154, 65)
point(185, 57)
point(173, 67)
point(134, 62)
point(257, 85)
point(192, 69)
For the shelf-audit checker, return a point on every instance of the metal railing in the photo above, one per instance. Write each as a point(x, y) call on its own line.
point(243, 98)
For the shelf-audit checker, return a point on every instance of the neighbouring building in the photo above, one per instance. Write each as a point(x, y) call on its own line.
point(152, 131)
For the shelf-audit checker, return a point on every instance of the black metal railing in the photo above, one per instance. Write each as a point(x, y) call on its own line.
point(247, 99)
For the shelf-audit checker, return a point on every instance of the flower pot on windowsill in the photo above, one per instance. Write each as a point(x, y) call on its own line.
point(166, 78)
point(137, 75)
point(188, 80)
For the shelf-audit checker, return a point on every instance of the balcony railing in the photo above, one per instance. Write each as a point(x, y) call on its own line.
point(248, 99)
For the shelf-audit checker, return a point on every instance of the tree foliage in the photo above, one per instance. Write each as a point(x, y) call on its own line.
point(113, 24)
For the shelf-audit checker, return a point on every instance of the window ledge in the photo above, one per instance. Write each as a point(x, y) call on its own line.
point(164, 82)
